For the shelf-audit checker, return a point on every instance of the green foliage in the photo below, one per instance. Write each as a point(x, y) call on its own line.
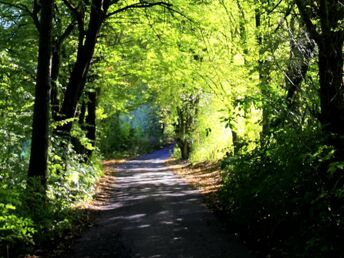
point(28, 218)
point(14, 227)
point(211, 138)
point(130, 133)
point(71, 179)
point(71, 183)
point(16, 100)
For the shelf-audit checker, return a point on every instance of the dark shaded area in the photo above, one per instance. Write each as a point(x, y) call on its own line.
point(147, 211)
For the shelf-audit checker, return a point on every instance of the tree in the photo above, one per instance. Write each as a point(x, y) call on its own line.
point(323, 22)
point(186, 121)
point(87, 39)
point(86, 45)
point(263, 68)
point(40, 128)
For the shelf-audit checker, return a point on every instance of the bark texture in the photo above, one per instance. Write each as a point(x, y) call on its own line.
point(40, 127)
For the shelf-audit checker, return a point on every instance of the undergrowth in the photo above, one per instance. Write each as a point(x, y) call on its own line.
point(286, 197)
point(33, 221)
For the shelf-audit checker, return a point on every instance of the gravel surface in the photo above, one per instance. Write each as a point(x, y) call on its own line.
point(146, 210)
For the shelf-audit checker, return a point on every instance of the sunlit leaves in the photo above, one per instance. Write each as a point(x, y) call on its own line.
point(14, 228)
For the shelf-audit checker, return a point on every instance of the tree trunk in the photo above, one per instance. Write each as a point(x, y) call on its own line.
point(185, 125)
point(242, 28)
point(55, 70)
point(40, 128)
point(332, 91)
point(87, 122)
point(185, 148)
point(91, 120)
point(78, 146)
point(77, 78)
point(235, 142)
point(264, 76)
point(329, 37)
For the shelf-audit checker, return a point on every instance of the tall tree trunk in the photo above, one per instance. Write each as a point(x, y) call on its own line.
point(185, 150)
point(91, 120)
point(235, 141)
point(77, 78)
point(87, 122)
point(40, 128)
point(185, 126)
point(75, 140)
point(242, 27)
point(55, 70)
point(332, 91)
point(264, 74)
point(329, 36)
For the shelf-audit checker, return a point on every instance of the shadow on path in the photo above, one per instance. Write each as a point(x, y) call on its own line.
point(148, 211)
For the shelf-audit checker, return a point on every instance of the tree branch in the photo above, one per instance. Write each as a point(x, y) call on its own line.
point(66, 33)
point(287, 13)
point(77, 16)
point(36, 8)
point(140, 5)
point(274, 8)
point(307, 20)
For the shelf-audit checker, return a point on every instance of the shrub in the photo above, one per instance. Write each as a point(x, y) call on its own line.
point(279, 196)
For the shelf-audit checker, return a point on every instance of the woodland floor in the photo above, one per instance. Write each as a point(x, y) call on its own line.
point(144, 209)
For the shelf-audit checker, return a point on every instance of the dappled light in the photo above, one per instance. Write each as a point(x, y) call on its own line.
point(156, 213)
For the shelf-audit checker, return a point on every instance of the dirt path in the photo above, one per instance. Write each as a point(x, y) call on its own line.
point(148, 211)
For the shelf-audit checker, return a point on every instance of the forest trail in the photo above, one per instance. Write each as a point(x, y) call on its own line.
point(145, 210)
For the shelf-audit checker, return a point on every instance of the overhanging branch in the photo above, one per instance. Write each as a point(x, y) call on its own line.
point(36, 8)
point(141, 5)
point(274, 8)
point(78, 16)
point(66, 33)
point(307, 20)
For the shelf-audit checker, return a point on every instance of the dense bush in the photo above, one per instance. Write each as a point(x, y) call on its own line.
point(28, 219)
point(282, 196)
point(14, 226)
